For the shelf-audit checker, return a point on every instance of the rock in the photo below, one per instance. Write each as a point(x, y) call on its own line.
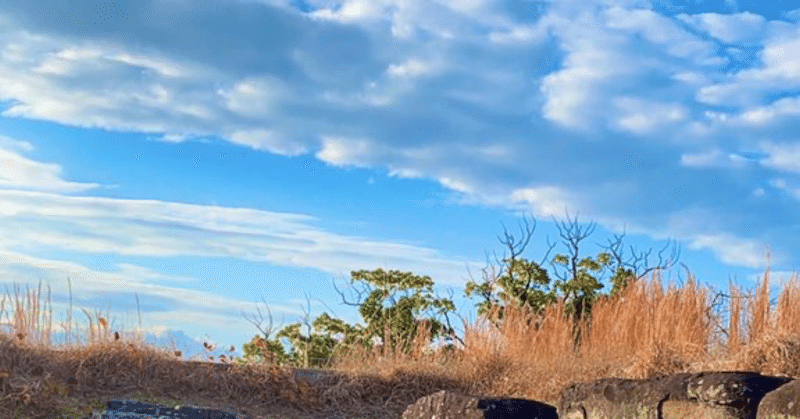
point(781, 403)
point(449, 405)
point(712, 395)
point(134, 409)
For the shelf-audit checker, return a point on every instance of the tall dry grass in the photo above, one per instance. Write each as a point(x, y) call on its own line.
point(772, 344)
point(29, 324)
point(646, 331)
point(649, 330)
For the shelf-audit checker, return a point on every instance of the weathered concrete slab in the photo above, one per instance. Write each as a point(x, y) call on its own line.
point(134, 409)
point(711, 395)
point(781, 403)
point(131, 409)
point(449, 405)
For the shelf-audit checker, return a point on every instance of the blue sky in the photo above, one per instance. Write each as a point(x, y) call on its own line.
point(208, 155)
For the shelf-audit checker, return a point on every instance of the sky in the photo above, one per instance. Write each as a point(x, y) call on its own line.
point(213, 158)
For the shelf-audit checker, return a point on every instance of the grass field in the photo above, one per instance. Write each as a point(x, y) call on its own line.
point(647, 331)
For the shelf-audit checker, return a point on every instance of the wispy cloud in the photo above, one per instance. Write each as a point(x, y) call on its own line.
point(36, 222)
point(19, 172)
point(92, 288)
point(732, 250)
point(168, 229)
point(730, 28)
point(608, 107)
point(713, 158)
point(783, 157)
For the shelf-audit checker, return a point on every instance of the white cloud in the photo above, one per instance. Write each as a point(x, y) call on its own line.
point(602, 54)
point(341, 151)
point(750, 87)
point(783, 157)
point(783, 185)
point(729, 94)
point(11, 144)
point(469, 7)
point(86, 59)
point(371, 97)
point(91, 86)
point(268, 140)
point(730, 28)
point(490, 152)
point(780, 59)
point(654, 27)
point(567, 92)
point(546, 201)
point(456, 185)
point(19, 172)
point(399, 80)
point(592, 59)
point(778, 183)
point(71, 60)
point(788, 107)
point(173, 138)
point(662, 33)
point(254, 97)
point(705, 228)
point(643, 117)
point(165, 229)
point(134, 272)
point(36, 220)
point(406, 173)
point(519, 34)
point(732, 250)
point(162, 67)
point(793, 15)
point(351, 11)
point(713, 158)
point(411, 68)
point(371, 101)
point(445, 19)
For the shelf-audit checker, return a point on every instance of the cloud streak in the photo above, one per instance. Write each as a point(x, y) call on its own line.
point(169, 229)
point(611, 108)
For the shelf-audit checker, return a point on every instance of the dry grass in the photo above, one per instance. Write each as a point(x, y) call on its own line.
point(647, 331)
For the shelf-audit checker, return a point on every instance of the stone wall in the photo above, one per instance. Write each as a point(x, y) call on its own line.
point(706, 395)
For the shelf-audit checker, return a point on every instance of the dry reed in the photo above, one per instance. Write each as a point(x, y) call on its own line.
point(646, 331)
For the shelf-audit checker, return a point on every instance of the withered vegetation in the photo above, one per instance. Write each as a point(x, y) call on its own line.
point(645, 331)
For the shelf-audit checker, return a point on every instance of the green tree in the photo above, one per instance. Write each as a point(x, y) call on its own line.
point(401, 318)
point(578, 280)
point(518, 281)
point(312, 350)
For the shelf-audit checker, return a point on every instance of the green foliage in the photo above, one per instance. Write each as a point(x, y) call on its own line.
point(622, 277)
point(399, 318)
point(259, 348)
point(525, 283)
point(581, 290)
point(576, 281)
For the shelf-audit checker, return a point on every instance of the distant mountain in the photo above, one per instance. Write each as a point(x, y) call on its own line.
point(188, 346)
